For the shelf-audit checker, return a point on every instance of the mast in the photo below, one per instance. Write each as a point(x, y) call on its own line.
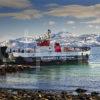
point(49, 33)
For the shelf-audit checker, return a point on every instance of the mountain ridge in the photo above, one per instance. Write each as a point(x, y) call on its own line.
point(66, 38)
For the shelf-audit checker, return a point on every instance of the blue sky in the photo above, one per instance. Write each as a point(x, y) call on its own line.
point(36, 16)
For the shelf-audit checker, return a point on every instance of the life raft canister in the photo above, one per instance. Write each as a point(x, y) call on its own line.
point(44, 43)
point(57, 47)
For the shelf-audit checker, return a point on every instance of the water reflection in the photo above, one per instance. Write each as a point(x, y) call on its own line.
point(53, 77)
point(65, 77)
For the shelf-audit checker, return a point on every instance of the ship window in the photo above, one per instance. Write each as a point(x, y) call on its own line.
point(22, 51)
point(13, 50)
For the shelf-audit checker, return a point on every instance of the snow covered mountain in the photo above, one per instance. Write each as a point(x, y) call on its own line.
point(72, 39)
point(65, 38)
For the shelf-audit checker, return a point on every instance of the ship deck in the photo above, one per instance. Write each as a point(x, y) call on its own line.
point(51, 54)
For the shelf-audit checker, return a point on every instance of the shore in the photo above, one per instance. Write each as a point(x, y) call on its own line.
point(19, 94)
point(13, 68)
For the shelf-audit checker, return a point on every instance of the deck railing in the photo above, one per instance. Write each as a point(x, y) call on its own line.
point(42, 54)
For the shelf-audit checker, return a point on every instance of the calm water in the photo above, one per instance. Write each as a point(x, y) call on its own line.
point(64, 77)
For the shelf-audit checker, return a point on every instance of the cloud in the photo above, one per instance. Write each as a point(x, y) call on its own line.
point(25, 14)
point(26, 11)
point(15, 3)
point(51, 23)
point(90, 26)
point(97, 27)
point(70, 22)
point(94, 21)
point(78, 11)
point(74, 27)
point(93, 26)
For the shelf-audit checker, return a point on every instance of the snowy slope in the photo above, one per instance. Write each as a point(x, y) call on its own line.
point(65, 38)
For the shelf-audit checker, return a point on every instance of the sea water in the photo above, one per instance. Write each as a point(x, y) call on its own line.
point(58, 77)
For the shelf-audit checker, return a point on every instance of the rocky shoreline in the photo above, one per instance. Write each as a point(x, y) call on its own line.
point(22, 94)
point(13, 68)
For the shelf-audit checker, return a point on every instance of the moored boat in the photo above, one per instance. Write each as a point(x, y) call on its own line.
point(48, 52)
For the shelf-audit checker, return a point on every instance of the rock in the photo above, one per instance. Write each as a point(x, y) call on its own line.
point(79, 90)
point(94, 93)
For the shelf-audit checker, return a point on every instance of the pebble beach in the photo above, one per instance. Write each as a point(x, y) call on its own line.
point(18, 94)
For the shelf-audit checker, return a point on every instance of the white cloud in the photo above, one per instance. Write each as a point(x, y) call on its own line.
point(51, 23)
point(64, 30)
point(93, 26)
point(15, 3)
point(77, 11)
point(70, 22)
point(25, 14)
point(74, 27)
point(90, 26)
point(94, 21)
point(97, 27)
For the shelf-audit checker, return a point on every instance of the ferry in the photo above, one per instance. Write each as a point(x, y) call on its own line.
point(48, 52)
